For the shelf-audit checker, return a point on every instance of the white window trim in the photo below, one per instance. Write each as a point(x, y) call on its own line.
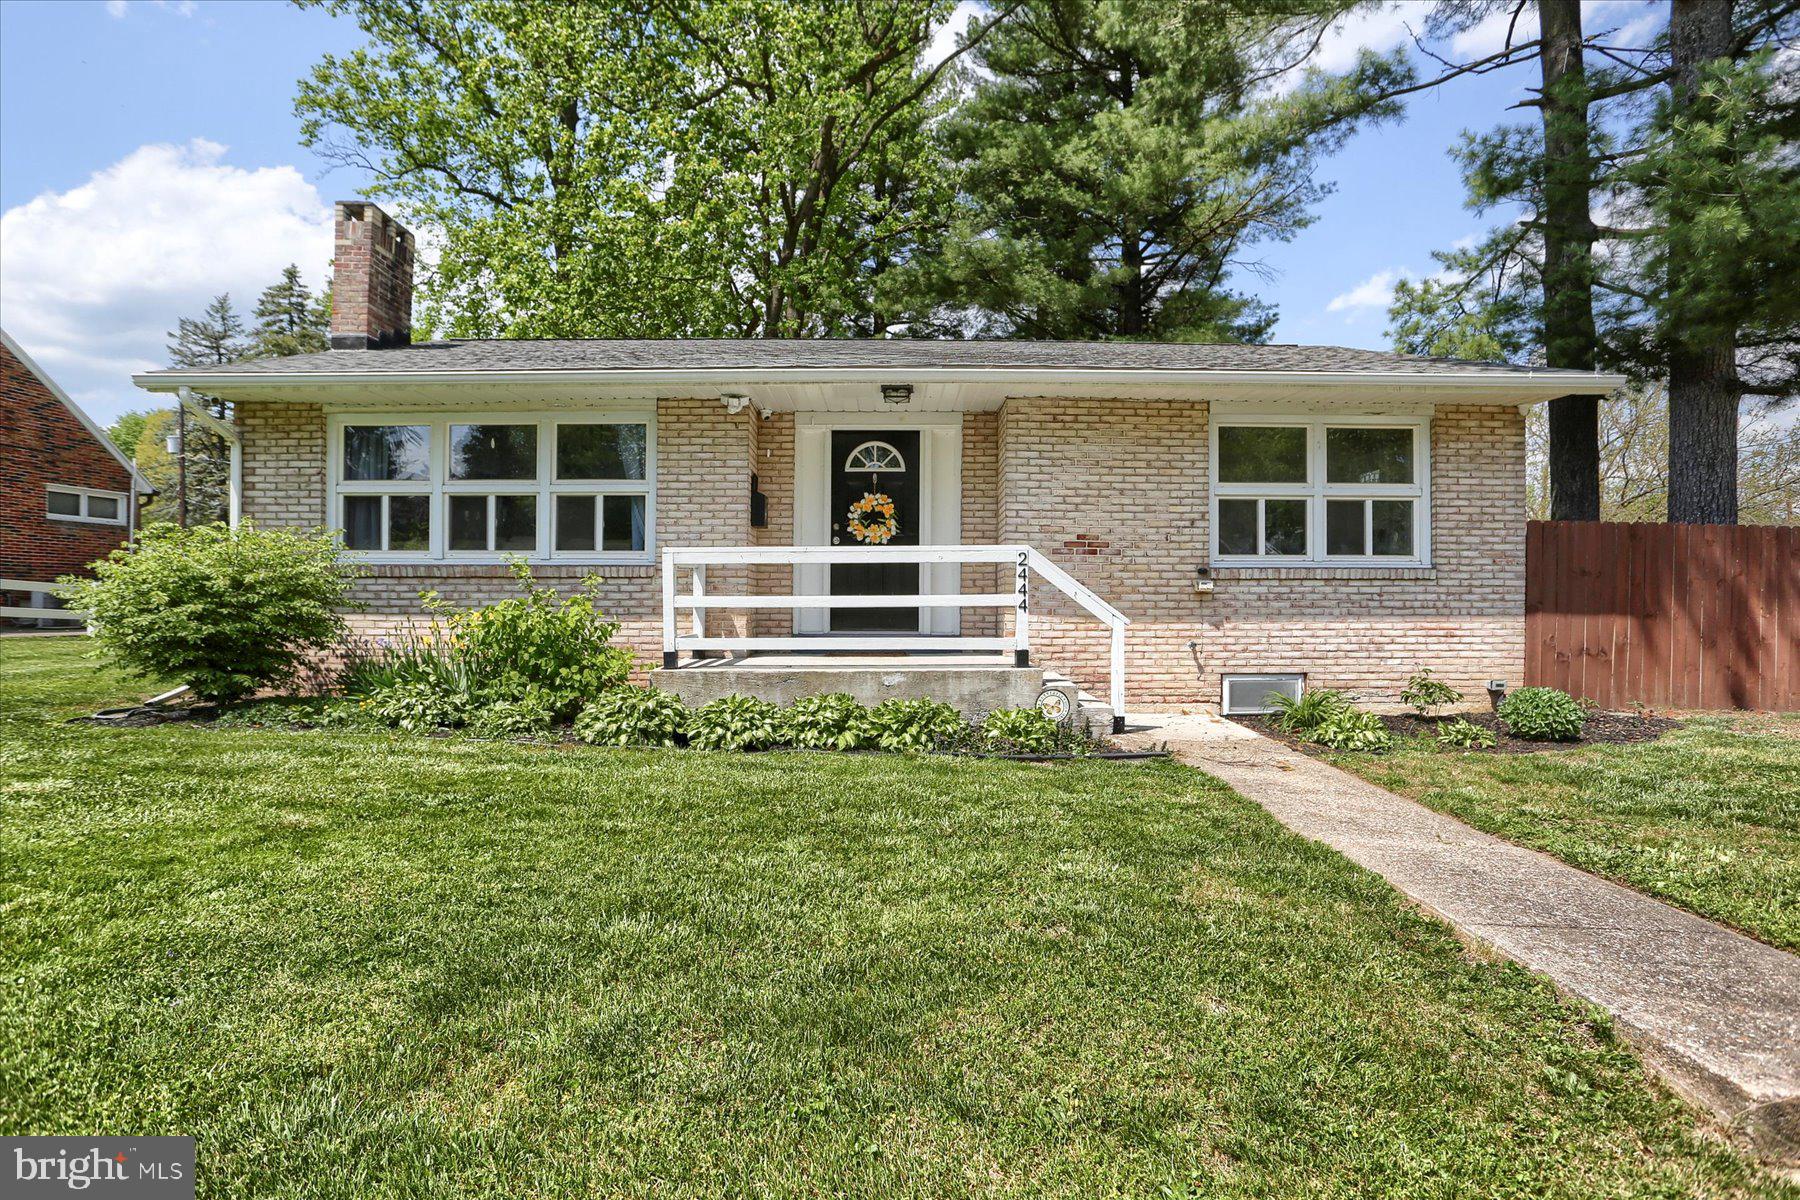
point(86, 494)
point(1316, 492)
point(440, 487)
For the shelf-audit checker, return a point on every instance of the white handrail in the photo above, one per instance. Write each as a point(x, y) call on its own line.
point(1024, 559)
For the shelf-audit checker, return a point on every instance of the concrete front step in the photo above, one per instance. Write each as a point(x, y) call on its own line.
point(974, 684)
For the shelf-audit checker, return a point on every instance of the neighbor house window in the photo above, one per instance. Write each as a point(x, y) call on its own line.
point(462, 488)
point(85, 504)
point(1319, 491)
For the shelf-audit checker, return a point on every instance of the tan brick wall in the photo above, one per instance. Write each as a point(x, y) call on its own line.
point(981, 518)
point(772, 446)
point(1116, 492)
point(702, 499)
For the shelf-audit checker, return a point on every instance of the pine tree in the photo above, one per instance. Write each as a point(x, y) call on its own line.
point(289, 319)
point(1119, 160)
point(203, 472)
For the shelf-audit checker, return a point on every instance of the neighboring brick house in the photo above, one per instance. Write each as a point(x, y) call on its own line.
point(67, 495)
point(1319, 515)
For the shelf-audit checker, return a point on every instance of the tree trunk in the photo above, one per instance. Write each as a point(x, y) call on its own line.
point(1569, 338)
point(1703, 383)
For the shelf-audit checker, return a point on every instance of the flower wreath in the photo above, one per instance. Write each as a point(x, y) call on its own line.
point(872, 519)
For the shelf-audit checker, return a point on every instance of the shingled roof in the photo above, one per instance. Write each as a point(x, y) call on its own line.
point(464, 356)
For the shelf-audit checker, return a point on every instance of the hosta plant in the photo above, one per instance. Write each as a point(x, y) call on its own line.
point(1541, 714)
point(418, 706)
point(1021, 731)
point(1352, 729)
point(531, 713)
point(735, 723)
point(834, 721)
point(632, 716)
point(1462, 734)
point(913, 726)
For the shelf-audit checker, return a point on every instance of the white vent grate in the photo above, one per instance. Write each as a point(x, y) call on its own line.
point(1254, 693)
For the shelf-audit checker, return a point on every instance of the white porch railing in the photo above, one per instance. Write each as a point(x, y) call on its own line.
point(1024, 561)
point(24, 612)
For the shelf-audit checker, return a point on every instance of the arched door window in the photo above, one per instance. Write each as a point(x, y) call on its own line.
point(873, 458)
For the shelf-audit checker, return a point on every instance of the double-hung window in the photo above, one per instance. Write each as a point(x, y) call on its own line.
point(466, 488)
point(1320, 491)
point(92, 505)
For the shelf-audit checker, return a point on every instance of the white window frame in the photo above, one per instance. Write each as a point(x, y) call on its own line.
point(1298, 678)
point(86, 494)
point(1316, 491)
point(440, 487)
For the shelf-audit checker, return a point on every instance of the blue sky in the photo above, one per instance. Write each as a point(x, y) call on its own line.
point(149, 158)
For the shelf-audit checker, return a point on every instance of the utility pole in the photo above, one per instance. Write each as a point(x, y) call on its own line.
point(181, 507)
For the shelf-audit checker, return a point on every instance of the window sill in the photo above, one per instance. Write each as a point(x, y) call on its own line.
point(1319, 571)
point(72, 520)
point(480, 570)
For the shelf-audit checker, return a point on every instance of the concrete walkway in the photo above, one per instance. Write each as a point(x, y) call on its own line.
point(1717, 1012)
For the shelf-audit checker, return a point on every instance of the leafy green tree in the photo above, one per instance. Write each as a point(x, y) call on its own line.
point(289, 319)
point(644, 167)
point(125, 431)
point(1120, 157)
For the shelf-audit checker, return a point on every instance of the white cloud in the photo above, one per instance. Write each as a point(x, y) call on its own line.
point(1377, 291)
point(1379, 28)
point(92, 279)
point(943, 41)
point(116, 9)
point(1495, 32)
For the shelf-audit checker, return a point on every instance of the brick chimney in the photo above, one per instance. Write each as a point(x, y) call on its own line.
point(371, 279)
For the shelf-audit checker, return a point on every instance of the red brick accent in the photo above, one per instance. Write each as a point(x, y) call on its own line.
point(44, 443)
point(371, 279)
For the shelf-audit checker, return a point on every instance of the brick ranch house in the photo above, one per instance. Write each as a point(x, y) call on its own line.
point(67, 495)
point(1154, 521)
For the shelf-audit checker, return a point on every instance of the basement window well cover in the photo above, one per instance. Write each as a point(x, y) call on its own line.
point(1246, 694)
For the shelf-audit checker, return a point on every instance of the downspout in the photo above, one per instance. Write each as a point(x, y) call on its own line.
point(229, 431)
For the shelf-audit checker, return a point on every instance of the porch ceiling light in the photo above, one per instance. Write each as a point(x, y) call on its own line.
point(896, 393)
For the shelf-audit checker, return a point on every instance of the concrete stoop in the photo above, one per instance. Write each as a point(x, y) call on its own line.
point(974, 685)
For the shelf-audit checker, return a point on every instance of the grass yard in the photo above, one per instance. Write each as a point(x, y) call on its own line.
point(1707, 817)
point(361, 966)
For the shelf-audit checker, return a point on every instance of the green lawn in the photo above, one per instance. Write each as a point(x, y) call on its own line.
point(1706, 817)
point(364, 967)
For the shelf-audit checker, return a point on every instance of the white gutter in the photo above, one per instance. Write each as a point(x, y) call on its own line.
point(1561, 384)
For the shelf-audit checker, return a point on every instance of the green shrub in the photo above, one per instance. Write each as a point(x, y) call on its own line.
point(529, 714)
point(1352, 729)
point(418, 706)
point(632, 716)
point(1312, 709)
point(1541, 714)
point(913, 726)
point(1424, 693)
point(1462, 734)
point(831, 722)
point(538, 639)
point(225, 611)
point(1021, 731)
point(735, 723)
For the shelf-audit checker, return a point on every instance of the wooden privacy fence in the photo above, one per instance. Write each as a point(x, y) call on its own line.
point(1672, 616)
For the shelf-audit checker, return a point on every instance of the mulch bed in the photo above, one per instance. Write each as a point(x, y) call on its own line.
point(1602, 728)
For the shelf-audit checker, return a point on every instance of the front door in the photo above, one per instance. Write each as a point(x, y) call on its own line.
point(871, 471)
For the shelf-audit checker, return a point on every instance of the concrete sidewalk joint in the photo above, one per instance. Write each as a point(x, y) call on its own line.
point(1716, 1012)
